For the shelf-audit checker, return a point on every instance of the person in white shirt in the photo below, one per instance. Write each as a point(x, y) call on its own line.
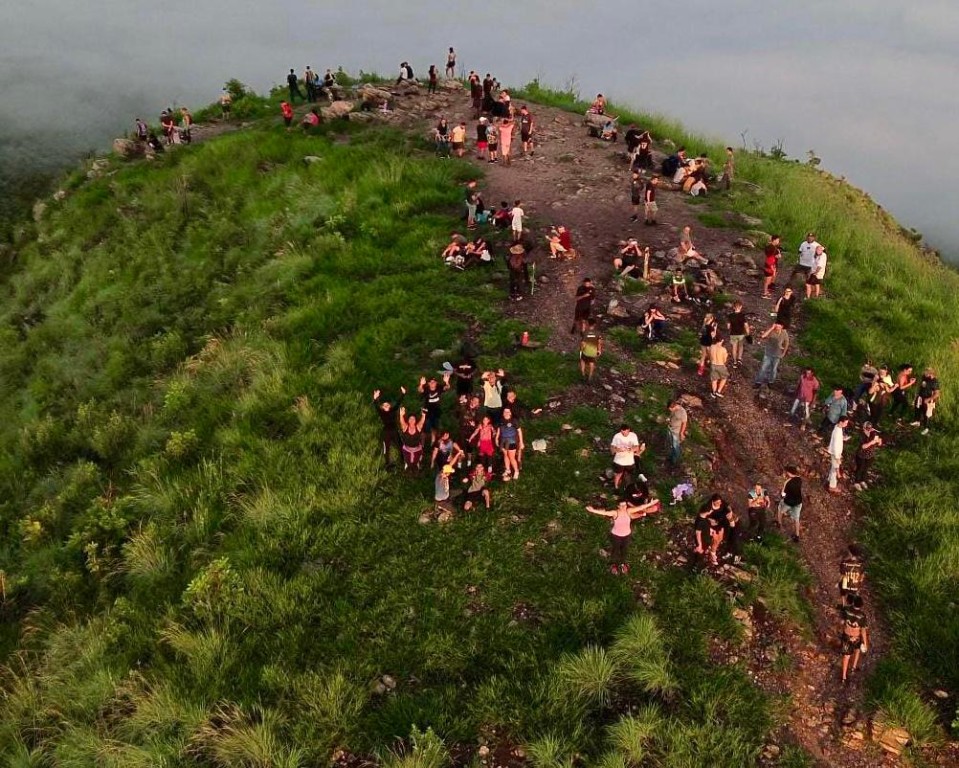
point(807, 258)
point(625, 447)
point(517, 221)
point(836, 442)
point(818, 274)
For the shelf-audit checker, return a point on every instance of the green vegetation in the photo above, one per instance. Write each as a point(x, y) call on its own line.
point(202, 560)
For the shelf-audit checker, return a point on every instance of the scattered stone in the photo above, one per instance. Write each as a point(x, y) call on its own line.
point(444, 517)
point(389, 681)
point(39, 208)
point(850, 717)
point(940, 694)
point(543, 279)
point(451, 85)
point(438, 353)
point(539, 445)
point(59, 195)
point(892, 739)
point(672, 366)
point(617, 398)
point(744, 242)
point(713, 280)
point(691, 401)
point(336, 110)
point(566, 427)
point(771, 751)
point(310, 159)
point(425, 518)
point(750, 221)
point(128, 149)
point(740, 575)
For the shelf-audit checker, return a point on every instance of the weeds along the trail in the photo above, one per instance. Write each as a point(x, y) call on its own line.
point(203, 561)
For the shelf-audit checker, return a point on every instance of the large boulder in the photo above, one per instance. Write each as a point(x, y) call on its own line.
point(451, 85)
point(373, 96)
point(336, 110)
point(128, 149)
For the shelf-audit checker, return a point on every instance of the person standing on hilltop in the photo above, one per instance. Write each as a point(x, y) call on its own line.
point(870, 443)
point(294, 87)
point(771, 265)
point(517, 221)
point(774, 350)
point(506, 139)
point(390, 435)
point(817, 275)
point(738, 328)
point(526, 124)
point(650, 208)
point(451, 64)
point(433, 79)
point(585, 294)
point(625, 448)
point(636, 188)
point(226, 104)
point(927, 398)
point(472, 197)
point(783, 311)
point(718, 372)
point(141, 130)
point(287, 111)
point(729, 169)
point(482, 141)
point(837, 440)
point(186, 125)
point(476, 94)
point(676, 428)
point(807, 258)
point(309, 79)
point(854, 637)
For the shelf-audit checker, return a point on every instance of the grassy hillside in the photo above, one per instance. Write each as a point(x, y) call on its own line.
point(203, 562)
point(892, 303)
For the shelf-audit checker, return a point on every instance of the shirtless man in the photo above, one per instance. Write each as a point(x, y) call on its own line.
point(718, 372)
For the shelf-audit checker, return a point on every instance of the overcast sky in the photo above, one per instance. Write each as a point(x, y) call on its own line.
point(869, 85)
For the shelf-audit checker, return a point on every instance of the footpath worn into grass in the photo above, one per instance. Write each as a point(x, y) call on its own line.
point(203, 562)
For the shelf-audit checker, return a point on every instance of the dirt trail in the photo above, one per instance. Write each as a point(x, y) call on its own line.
point(582, 183)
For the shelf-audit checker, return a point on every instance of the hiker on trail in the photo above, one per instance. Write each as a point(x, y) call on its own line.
point(493, 394)
point(708, 333)
point(729, 169)
point(718, 372)
point(676, 428)
point(446, 451)
point(472, 198)
point(817, 275)
point(757, 504)
point(625, 448)
point(310, 78)
point(412, 439)
point(390, 435)
point(791, 500)
point(488, 83)
point(854, 635)
point(852, 573)
point(517, 221)
point(168, 127)
point(835, 407)
point(433, 75)
point(556, 248)
point(287, 111)
point(620, 533)
point(677, 285)
point(772, 255)
point(226, 104)
point(506, 126)
point(637, 186)
point(432, 393)
point(441, 135)
point(734, 537)
point(476, 94)
point(141, 130)
point(311, 120)
point(783, 311)
point(458, 139)
point(492, 141)
point(585, 294)
point(481, 139)
point(629, 257)
point(451, 64)
point(650, 207)
point(526, 124)
point(590, 348)
point(294, 87)
point(837, 440)
point(654, 323)
point(509, 438)
point(709, 528)
point(738, 328)
point(870, 443)
point(880, 394)
point(516, 264)
point(186, 126)
point(483, 437)
point(927, 398)
point(900, 396)
point(807, 258)
point(806, 392)
point(477, 488)
point(775, 347)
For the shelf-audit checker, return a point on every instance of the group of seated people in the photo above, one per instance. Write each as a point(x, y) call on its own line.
point(462, 253)
point(691, 174)
point(560, 243)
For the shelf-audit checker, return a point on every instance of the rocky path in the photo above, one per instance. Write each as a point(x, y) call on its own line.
point(582, 183)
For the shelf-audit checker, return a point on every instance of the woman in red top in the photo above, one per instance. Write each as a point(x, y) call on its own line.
point(287, 112)
point(771, 265)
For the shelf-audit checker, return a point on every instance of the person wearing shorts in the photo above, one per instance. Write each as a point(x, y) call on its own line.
point(738, 328)
point(771, 265)
point(517, 220)
point(585, 294)
point(651, 209)
point(807, 258)
point(791, 500)
point(526, 130)
point(817, 274)
point(458, 139)
point(718, 372)
point(477, 489)
point(482, 138)
point(483, 437)
point(509, 436)
point(590, 348)
point(625, 448)
point(636, 188)
point(854, 634)
point(432, 394)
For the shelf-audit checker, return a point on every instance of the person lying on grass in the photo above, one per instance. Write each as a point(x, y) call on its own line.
point(477, 252)
point(622, 529)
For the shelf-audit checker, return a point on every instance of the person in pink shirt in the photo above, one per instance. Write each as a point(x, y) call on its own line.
point(806, 391)
point(505, 138)
point(622, 529)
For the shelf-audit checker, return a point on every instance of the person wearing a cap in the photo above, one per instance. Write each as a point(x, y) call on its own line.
point(807, 258)
point(441, 489)
point(871, 442)
point(817, 275)
point(516, 264)
point(482, 141)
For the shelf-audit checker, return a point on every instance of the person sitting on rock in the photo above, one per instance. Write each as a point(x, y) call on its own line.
point(311, 120)
point(598, 107)
point(629, 257)
point(477, 252)
point(609, 131)
point(678, 285)
point(556, 249)
point(654, 323)
point(455, 249)
point(503, 218)
point(153, 141)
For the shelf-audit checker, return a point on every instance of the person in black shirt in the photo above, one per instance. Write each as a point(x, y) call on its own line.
point(465, 372)
point(854, 634)
point(784, 308)
point(585, 294)
point(432, 394)
point(294, 86)
point(927, 398)
point(792, 499)
point(709, 527)
point(389, 436)
point(738, 329)
point(636, 188)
